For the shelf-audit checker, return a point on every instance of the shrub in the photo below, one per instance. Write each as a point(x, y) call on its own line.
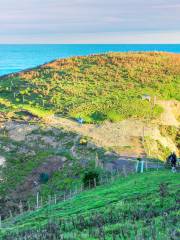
point(91, 178)
point(43, 178)
point(114, 116)
point(98, 116)
point(83, 141)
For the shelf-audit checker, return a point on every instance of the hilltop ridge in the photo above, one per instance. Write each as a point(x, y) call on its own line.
point(100, 89)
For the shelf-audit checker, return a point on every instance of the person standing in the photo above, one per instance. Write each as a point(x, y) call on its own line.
point(173, 161)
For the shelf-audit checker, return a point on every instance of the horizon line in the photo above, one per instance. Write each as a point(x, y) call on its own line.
point(49, 43)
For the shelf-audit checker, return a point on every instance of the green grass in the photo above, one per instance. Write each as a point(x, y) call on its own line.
point(136, 204)
point(100, 87)
point(24, 157)
point(97, 88)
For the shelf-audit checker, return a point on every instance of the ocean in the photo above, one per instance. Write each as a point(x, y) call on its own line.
point(15, 58)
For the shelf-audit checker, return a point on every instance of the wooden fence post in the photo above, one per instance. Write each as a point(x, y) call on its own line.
point(49, 199)
point(146, 165)
point(55, 199)
point(76, 190)
point(142, 166)
point(94, 182)
point(29, 207)
point(124, 171)
point(112, 177)
point(137, 165)
point(106, 179)
point(10, 213)
point(20, 207)
point(37, 200)
point(157, 165)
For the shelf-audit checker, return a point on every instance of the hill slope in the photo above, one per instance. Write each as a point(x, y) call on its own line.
point(98, 87)
point(141, 206)
point(38, 127)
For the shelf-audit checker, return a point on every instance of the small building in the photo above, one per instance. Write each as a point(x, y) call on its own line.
point(146, 97)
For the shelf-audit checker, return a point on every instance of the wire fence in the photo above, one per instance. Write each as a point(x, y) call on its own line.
point(108, 177)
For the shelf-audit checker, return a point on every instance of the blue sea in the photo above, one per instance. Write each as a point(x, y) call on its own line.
point(14, 58)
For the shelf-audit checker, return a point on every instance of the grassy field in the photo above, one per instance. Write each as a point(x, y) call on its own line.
point(97, 87)
point(144, 206)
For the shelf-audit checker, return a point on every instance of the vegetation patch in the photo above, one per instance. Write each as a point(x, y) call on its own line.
point(139, 206)
point(96, 88)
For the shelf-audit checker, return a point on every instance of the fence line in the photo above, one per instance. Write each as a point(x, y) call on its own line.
point(67, 195)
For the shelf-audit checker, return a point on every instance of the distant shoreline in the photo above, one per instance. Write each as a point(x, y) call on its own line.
point(22, 57)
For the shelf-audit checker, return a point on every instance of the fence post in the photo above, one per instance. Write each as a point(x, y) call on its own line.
point(37, 200)
point(112, 176)
point(41, 202)
point(20, 207)
point(137, 165)
point(49, 199)
point(157, 165)
point(55, 199)
point(0, 222)
point(101, 181)
point(94, 182)
point(146, 165)
point(76, 190)
point(124, 171)
point(89, 184)
point(142, 166)
point(106, 179)
point(29, 207)
point(10, 213)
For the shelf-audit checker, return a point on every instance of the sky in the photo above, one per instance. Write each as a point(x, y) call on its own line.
point(90, 21)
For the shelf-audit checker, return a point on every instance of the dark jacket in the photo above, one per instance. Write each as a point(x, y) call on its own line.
point(173, 159)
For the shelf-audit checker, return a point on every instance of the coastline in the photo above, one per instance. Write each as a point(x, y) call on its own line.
point(29, 56)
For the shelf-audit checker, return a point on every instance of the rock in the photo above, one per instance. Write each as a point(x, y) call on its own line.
point(33, 137)
point(107, 153)
point(6, 149)
point(2, 161)
point(91, 145)
point(63, 159)
point(23, 150)
point(50, 141)
point(18, 132)
point(26, 151)
point(110, 154)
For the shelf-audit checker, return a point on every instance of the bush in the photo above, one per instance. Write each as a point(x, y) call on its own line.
point(91, 178)
point(83, 141)
point(98, 116)
point(114, 116)
point(43, 178)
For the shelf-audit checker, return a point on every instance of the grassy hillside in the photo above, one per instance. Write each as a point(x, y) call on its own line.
point(34, 137)
point(144, 206)
point(38, 135)
point(32, 149)
point(96, 87)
